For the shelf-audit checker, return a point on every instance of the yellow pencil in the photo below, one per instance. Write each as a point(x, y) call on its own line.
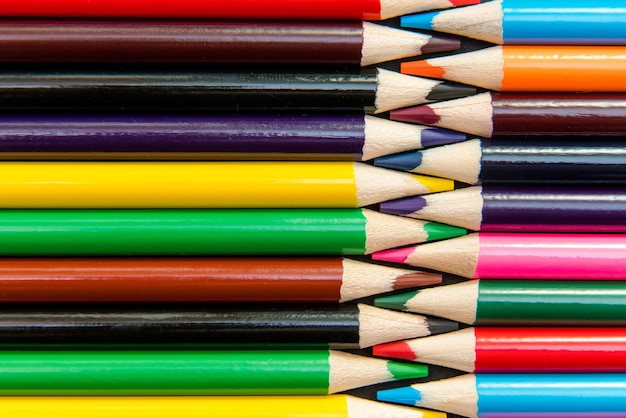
point(335, 406)
point(206, 184)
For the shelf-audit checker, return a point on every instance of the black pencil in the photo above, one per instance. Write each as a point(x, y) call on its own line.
point(511, 161)
point(186, 90)
point(210, 326)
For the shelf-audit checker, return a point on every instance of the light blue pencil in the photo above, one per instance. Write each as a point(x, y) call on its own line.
point(532, 22)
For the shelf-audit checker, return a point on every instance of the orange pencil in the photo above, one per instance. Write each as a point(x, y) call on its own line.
point(531, 68)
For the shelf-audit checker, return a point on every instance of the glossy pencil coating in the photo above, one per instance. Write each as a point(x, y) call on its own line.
point(208, 326)
point(481, 394)
point(531, 22)
point(551, 114)
point(520, 256)
point(166, 89)
point(190, 279)
point(211, 41)
point(242, 372)
point(509, 160)
point(211, 136)
point(519, 302)
point(517, 350)
point(248, 9)
point(175, 184)
point(522, 208)
point(312, 406)
point(209, 232)
point(531, 68)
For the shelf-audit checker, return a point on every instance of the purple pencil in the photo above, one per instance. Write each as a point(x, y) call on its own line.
point(520, 208)
point(198, 137)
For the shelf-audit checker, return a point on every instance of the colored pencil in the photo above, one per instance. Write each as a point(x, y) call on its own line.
point(313, 406)
point(510, 161)
point(248, 9)
point(531, 22)
point(244, 372)
point(178, 184)
point(519, 302)
point(197, 137)
point(186, 90)
point(242, 279)
point(209, 232)
point(493, 114)
point(518, 350)
point(209, 326)
point(521, 256)
point(213, 41)
point(531, 68)
point(482, 395)
point(520, 208)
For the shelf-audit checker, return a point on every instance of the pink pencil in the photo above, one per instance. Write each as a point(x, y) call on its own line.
point(520, 256)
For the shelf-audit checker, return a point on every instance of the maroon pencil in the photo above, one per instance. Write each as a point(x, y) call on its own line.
point(214, 41)
point(492, 114)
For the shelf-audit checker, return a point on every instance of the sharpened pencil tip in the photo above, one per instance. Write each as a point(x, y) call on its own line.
point(417, 279)
point(438, 43)
point(441, 325)
point(422, 68)
point(403, 206)
point(418, 20)
point(405, 396)
point(458, 3)
point(403, 371)
point(449, 91)
point(416, 114)
point(396, 349)
point(434, 137)
point(395, 302)
point(407, 161)
point(395, 255)
point(436, 231)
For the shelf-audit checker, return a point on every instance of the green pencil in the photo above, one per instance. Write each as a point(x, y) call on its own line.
point(288, 372)
point(519, 302)
point(210, 232)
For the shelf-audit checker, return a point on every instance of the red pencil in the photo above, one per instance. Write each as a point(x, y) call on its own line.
point(518, 350)
point(247, 9)
point(241, 279)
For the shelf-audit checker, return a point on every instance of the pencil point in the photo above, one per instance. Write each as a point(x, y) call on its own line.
point(396, 349)
point(458, 3)
point(417, 279)
point(395, 255)
point(434, 137)
point(422, 68)
point(395, 302)
point(439, 43)
point(441, 325)
point(416, 114)
point(436, 231)
point(405, 396)
point(403, 371)
point(407, 161)
point(403, 206)
point(450, 91)
point(418, 20)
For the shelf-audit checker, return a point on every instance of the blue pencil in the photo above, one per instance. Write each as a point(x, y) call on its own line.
point(532, 22)
point(490, 395)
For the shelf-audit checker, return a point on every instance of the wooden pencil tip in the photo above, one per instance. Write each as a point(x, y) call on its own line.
point(407, 161)
point(422, 68)
point(438, 43)
point(403, 206)
point(417, 114)
point(417, 279)
point(434, 137)
point(458, 3)
point(395, 255)
point(418, 20)
point(397, 349)
point(395, 302)
point(404, 395)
